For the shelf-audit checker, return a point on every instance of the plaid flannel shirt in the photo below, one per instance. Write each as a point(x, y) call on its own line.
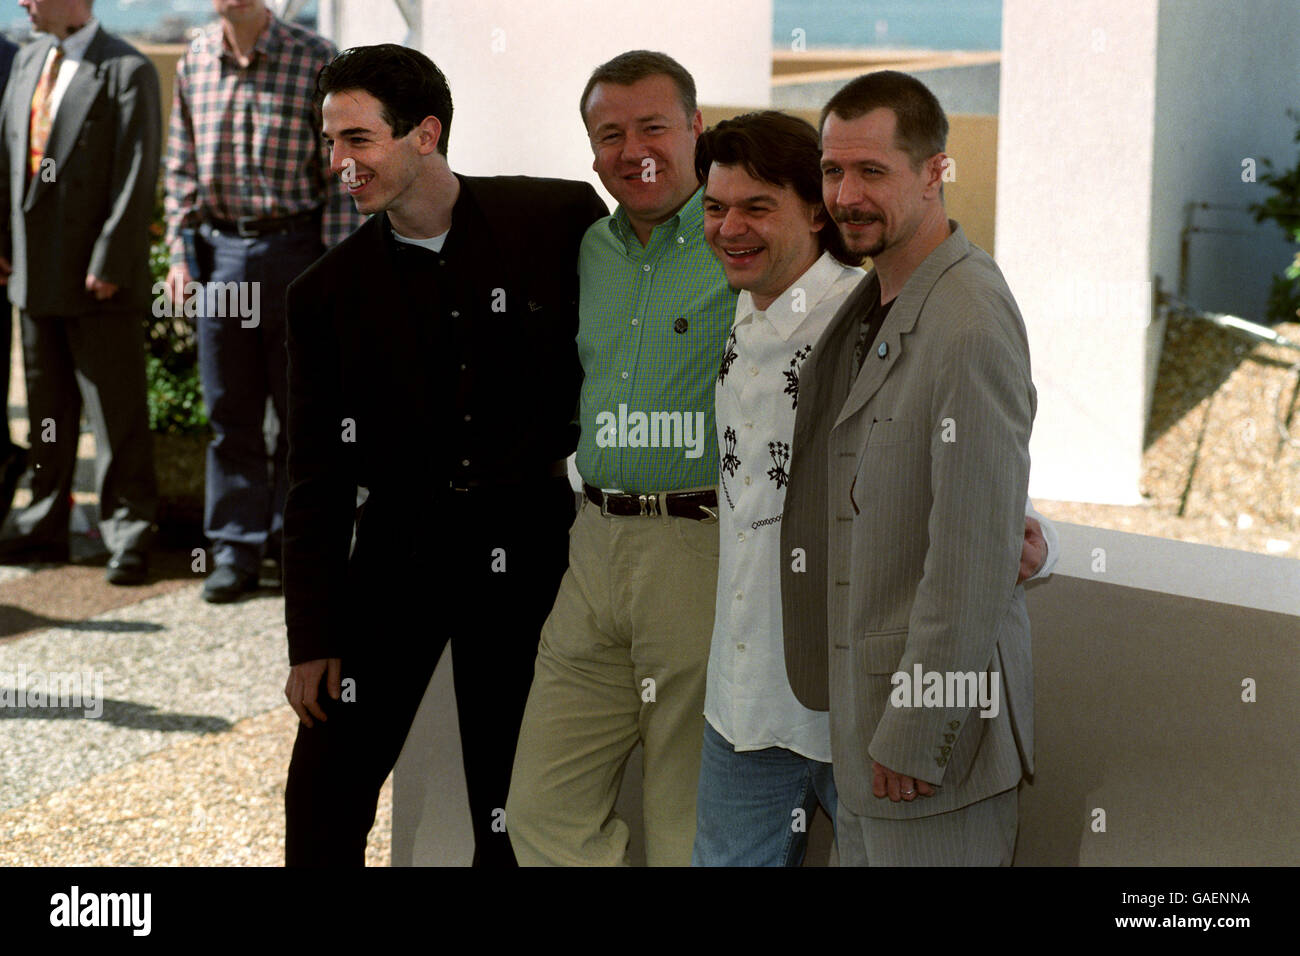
point(246, 141)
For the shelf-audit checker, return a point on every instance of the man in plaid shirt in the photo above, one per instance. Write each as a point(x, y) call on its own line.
point(250, 204)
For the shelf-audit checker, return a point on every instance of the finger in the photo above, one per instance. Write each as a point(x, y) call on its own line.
point(294, 693)
point(877, 780)
point(907, 788)
point(924, 789)
point(309, 700)
point(336, 677)
point(895, 791)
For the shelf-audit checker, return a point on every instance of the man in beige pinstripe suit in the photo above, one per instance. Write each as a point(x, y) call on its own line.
point(904, 517)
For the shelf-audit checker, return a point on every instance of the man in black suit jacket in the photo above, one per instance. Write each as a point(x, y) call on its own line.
point(79, 153)
point(432, 362)
point(13, 458)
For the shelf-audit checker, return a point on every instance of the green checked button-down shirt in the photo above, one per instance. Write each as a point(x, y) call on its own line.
point(653, 325)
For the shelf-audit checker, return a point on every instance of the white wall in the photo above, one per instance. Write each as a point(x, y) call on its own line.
point(516, 69)
point(1226, 75)
point(1073, 231)
point(1114, 116)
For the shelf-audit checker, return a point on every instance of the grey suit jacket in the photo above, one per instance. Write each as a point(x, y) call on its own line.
point(94, 216)
point(908, 499)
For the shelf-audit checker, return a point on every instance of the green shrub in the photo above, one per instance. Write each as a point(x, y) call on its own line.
point(172, 360)
point(1283, 208)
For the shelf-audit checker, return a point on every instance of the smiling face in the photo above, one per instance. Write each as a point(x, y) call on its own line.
point(764, 235)
point(240, 11)
point(380, 171)
point(644, 146)
point(869, 186)
point(55, 16)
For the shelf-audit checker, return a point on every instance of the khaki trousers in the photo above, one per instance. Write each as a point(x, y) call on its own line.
point(623, 657)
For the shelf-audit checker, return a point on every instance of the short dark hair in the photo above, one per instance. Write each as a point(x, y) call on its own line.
point(634, 66)
point(922, 128)
point(776, 148)
point(408, 85)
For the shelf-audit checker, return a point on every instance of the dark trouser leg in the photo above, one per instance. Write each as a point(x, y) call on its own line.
point(108, 353)
point(493, 619)
point(54, 409)
point(234, 389)
point(494, 646)
point(6, 351)
point(275, 262)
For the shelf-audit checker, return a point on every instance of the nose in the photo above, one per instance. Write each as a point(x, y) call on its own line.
point(338, 159)
point(850, 191)
point(733, 224)
point(634, 148)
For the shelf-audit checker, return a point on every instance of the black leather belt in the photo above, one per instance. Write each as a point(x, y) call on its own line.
point(698, 505)
point(557, 469)
point(250, 228)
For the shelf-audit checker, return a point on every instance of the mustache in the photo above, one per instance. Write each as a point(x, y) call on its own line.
point(861, 218)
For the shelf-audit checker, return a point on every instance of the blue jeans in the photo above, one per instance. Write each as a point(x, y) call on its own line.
point(747, 802)
point(240, 367)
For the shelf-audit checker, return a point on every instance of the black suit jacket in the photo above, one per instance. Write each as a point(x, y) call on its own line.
point(93, 213)
point(365, 412)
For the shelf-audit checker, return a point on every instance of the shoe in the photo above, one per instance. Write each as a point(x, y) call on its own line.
point(10, 471)
point(269, 577)
point(127, 568)
point(227, 583)
point(27, 551)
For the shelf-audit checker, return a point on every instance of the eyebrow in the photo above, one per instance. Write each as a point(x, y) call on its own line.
point(639, 119)
point(746, 201)
point(350, 131)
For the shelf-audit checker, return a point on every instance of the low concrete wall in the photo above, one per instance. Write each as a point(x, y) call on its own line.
point(1141, 647)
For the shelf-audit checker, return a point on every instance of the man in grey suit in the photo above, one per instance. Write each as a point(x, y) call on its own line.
point(907, 497)
point(79, 130)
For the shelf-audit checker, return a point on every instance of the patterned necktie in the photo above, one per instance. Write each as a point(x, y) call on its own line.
point(42, 117)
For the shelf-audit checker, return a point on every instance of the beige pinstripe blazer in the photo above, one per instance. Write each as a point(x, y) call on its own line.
point(908, 500)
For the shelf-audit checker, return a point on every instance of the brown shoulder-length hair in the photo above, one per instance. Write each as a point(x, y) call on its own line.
point(776, 148)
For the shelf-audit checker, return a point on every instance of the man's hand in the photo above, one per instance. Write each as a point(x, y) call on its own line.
point(100, 289)
point(178, 277)
point(5, 269)
point(884, 782)
point(1034, 553)
point(304, 686)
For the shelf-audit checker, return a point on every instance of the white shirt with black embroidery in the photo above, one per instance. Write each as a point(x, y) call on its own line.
point(749, 700)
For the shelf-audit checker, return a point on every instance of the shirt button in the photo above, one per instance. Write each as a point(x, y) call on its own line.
point(646, 268)
point(741, 536)
point(740, 647)
point(635, 321)
point(749, 424)
point(625, 374)
point(740, 595)
point(465, 463)
point(466, 418)
point(753, 370)
point(455, 314)
point(681, 241)
point(748, 480)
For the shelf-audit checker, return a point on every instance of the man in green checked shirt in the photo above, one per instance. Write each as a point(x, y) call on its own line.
point(624, 653)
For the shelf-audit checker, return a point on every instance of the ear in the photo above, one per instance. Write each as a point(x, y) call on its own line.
point(697, 124)
point(427, 135)
point(817, 217)
point(934, 167)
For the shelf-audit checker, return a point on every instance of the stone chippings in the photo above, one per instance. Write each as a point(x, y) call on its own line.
point(186, 767)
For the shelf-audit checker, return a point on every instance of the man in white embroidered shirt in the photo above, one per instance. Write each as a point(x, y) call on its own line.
point(766, 757)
